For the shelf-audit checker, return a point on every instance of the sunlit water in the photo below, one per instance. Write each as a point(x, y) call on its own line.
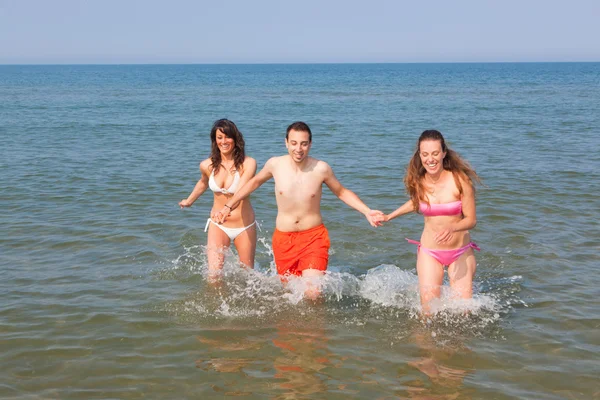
point(104, 289)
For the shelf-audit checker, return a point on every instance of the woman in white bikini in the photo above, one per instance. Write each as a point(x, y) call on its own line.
point(227, 170)
point(441, 187)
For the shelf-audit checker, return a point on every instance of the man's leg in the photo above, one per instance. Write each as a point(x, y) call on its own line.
point(312, 269)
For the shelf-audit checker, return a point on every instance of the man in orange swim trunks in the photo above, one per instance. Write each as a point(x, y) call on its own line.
point(300, 242)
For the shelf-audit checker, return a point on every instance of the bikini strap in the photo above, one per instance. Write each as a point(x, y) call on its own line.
point(207, 224)
point(472, 244)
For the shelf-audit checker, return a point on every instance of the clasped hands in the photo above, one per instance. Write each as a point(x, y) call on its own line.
point(375, 218)
point(220, 216)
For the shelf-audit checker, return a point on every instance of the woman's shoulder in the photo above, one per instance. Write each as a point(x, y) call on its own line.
point(462, 177)
point(248, 164)
point(249, 160)
point(462, 184)
point(206, 166)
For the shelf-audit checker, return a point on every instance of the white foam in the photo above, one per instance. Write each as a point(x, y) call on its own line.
point(388, 285)
point(247, 293)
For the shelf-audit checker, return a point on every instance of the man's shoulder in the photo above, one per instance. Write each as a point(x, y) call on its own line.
point(320, 165)
point(277, 159)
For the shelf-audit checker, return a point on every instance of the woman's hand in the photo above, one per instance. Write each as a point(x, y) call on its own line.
point(220, 216)
point(185, 203)
point(444, 236)
point(374, 217)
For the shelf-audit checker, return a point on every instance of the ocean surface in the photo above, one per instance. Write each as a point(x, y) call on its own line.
point(103, 290)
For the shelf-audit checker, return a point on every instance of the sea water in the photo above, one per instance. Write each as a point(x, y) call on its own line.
point(104, 291)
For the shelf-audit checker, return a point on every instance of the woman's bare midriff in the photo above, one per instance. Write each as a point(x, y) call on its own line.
point(434, 225)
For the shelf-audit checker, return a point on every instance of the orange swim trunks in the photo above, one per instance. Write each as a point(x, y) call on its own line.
point(296, 251)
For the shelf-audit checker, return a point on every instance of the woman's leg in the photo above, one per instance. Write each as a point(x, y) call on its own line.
point(431, 277)
point(216, 244)
point(461, 273)
point(245, 243)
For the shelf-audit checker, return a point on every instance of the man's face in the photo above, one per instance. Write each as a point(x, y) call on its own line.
point(298, 145)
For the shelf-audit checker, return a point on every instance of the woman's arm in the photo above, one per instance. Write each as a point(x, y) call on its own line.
point(403, 209)
point(469, 219)
point(200, 187)
point(468, 208)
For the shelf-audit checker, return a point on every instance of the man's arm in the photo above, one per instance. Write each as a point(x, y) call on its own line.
point(350, 198)
point(249, 172)
point(254, 183)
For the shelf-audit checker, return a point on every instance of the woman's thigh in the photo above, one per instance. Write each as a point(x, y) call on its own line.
point(431, 276)
point(461, 273)
point(217, 242)
point(245, 244)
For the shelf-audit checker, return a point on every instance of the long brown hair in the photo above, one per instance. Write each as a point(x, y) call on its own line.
point(231, 131)
point(413, 180)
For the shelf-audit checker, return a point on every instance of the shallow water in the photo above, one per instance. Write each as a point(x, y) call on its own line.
point(104, 292)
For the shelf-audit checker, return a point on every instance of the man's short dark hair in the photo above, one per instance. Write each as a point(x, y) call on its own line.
point(300, 127)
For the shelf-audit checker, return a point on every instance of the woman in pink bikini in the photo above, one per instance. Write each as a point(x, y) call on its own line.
point(441, 187)
point(225, 171)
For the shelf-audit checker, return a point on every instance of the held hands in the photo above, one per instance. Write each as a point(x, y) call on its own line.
point(220, 216)
point(375, 217)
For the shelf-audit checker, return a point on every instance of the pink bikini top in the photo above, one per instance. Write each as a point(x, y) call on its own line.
point(435, 210)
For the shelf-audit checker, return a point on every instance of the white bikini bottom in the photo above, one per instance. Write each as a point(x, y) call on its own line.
point(231, 232)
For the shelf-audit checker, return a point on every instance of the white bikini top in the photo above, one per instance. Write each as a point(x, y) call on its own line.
point(230, 190)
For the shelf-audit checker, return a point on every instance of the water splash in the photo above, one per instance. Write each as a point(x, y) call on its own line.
point(386, 293)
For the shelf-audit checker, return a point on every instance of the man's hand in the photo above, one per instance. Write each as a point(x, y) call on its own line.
point(375, 217)
point(222, 215)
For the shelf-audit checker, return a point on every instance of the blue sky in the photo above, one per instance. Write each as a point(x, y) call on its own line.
point(307, 31)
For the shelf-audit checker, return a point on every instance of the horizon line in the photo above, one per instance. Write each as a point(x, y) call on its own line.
point(294, 63)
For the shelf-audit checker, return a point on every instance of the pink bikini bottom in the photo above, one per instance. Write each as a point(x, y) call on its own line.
point(446, 257)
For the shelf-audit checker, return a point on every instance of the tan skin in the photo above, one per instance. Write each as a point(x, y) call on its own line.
point(443, 232)
point(241, 215)
point(298, 187)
